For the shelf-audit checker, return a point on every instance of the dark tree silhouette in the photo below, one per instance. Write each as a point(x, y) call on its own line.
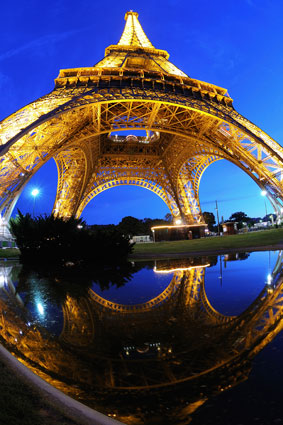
point(209, 219)
point(239, 216)
point(54, 240)
point(130, 226)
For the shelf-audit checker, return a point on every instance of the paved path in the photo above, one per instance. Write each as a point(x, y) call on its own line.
point(61, 405)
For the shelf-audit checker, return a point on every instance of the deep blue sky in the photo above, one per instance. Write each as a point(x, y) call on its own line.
point(236, 44)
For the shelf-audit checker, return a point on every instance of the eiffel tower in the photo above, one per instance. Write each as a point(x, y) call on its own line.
point(179, 127)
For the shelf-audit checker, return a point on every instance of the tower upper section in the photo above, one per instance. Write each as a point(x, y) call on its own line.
point(135, 51)
point(135, 62)
point(133, 33)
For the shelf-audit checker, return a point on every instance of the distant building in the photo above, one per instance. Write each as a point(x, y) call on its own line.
point(262, 225)
point(230, 228)
point(6, 238)
point(141, 239)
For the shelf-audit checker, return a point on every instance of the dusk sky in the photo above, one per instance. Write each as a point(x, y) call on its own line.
point(236, 44)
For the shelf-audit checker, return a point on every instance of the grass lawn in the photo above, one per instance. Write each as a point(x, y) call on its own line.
point(9, 253)
point(242, 241)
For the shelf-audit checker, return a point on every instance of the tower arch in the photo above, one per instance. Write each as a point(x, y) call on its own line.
point(134, 86)
point(99, 187)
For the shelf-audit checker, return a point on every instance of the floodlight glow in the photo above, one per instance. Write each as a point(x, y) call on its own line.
point(181, 269)
point(178, 221)
point(35, 192)
point(263, 193)
point(269, 279)
point(40, 308)
point(175, 227)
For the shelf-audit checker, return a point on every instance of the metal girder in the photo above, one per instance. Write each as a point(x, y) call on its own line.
point(134, 87)
point(72, 169)
point(103, 182)
point(216, 138)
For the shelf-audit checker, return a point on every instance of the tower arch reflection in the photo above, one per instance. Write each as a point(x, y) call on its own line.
point(175, 347)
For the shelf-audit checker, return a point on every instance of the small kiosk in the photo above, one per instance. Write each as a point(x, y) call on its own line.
point(230, 228)
point(177, 233)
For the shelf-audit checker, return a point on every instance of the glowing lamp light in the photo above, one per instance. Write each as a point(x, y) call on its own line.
point(180, 269)
point(175, 226)
point(263, 193)
point(178, 221)
point(269, 279)
point(35, 192)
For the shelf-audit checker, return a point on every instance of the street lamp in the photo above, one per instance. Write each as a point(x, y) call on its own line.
point(218, 226)
point(34, 193)
point(264, 193)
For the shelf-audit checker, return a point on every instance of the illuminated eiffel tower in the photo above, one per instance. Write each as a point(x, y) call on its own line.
point(84, 124)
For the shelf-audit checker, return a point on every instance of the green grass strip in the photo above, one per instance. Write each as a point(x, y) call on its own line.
point(246, 240)
point(9, 253)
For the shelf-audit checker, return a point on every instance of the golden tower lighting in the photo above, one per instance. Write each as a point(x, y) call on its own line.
point(83, 124)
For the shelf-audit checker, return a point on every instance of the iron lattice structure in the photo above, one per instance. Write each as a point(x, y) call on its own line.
point(188, 125)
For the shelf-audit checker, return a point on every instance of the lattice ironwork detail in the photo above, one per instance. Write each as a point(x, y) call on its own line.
point(189, 124)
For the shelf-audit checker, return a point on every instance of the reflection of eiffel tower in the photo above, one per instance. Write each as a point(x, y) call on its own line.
point(189, 124)
point(174, 345)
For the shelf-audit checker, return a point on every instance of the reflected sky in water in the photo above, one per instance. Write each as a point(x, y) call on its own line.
point(144, 285)
point(240, 282)
point(231, 286)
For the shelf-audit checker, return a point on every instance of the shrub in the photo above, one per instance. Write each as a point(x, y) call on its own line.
point(61, 241)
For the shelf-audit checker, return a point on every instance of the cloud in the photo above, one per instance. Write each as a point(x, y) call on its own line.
point(39, 43)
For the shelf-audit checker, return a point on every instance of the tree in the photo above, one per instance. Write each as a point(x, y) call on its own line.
point(130, 226)
point(209, 219)
point(58, 241)
point(168, 217)
point(148, 223)
point(240, 217)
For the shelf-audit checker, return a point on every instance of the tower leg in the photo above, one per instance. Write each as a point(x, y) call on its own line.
point(72, 169)
point(188, 197)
